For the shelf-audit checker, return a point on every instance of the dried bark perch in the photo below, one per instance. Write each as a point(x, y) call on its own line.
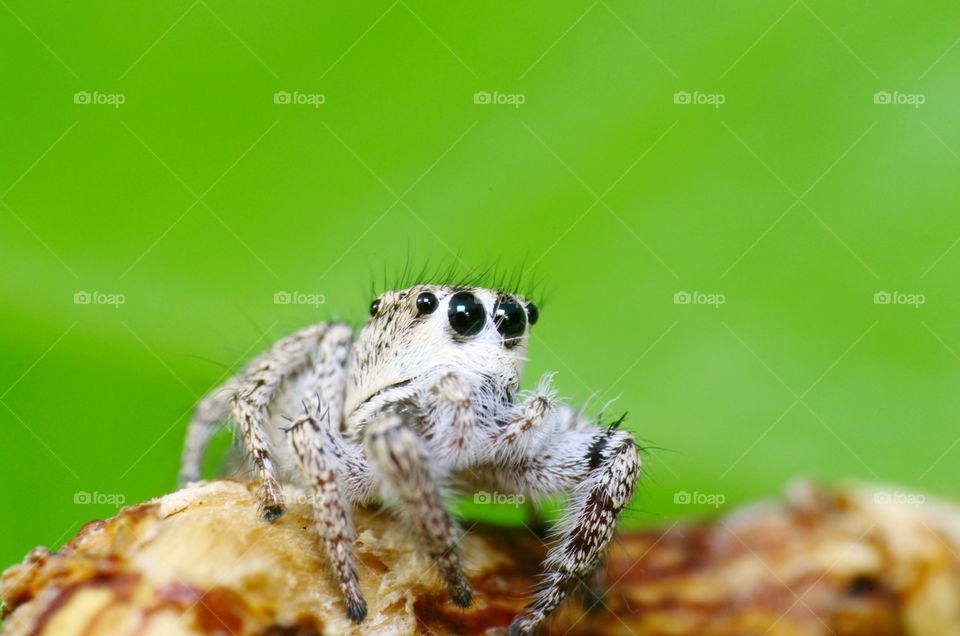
point(199, 561)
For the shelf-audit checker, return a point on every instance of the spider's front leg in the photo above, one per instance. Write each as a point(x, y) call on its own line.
point(323, 457)
point(396, 451)
point(600, 468)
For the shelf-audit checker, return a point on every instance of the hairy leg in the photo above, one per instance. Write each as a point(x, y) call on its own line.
point(323, 385)
point(396, 452)
point(259, 388)
point(209, 416)
point(321, 455)
point(599, 467)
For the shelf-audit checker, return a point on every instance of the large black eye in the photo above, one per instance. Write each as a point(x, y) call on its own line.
point(510, 318)
point(533, 314)
point(374, 306)
point(466, 314)
point(426, 303)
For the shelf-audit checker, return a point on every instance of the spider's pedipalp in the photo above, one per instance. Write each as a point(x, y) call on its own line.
point(452, 423)
point(532, 424)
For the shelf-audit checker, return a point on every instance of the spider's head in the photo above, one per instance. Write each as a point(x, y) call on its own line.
point(416, 334)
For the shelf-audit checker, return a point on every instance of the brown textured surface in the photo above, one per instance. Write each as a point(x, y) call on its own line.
point(200, 562)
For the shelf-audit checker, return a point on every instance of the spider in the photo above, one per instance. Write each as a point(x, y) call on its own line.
point(422, 400)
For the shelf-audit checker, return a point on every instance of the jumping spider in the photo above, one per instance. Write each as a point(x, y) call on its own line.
point(424, 397)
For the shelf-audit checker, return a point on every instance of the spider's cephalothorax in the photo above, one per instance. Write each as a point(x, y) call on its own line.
point(424, 399)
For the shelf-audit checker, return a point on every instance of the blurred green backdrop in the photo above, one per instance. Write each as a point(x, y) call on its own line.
point(780, 162)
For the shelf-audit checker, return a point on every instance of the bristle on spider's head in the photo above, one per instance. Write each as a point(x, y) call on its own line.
point(514, 280)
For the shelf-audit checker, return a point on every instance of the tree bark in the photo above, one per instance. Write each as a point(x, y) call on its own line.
point(200, 562)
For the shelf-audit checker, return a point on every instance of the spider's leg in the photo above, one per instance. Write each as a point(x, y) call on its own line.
point(397, 453)
point(321, 453)
point(599, 467)
point(209, 416)
point(259, 388)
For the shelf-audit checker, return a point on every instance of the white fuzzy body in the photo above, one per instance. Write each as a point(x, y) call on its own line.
point(423, 402)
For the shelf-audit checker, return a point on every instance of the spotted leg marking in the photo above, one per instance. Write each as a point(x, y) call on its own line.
point(608, 465)
point(321, 459)
point(397, 453)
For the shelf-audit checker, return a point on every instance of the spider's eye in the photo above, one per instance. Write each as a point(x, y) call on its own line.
point(509, 318)
point(426, 303)
point(374, 307)
point(466, 314)
point(533, 314)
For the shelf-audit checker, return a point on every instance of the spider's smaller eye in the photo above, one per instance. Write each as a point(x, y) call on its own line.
point(374, 307)
point(533, 314)
point(510, 318)
point(426, 303)
point(466, 314)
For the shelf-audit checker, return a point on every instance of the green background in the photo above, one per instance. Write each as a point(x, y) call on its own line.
point(199, 198)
